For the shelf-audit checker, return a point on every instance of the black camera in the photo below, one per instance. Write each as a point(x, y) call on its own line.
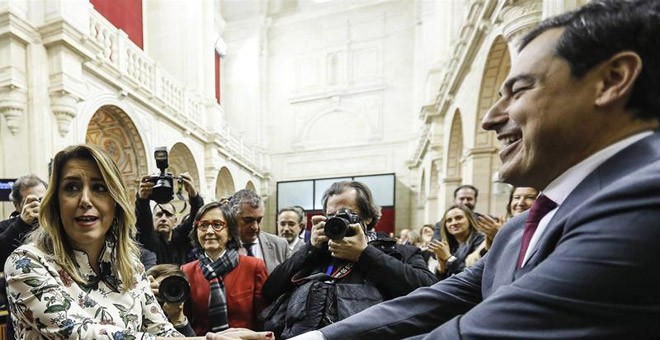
point(336, 227)
point(174, 289)
point(163, 190)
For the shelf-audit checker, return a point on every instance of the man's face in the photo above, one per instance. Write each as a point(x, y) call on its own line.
point(466, 197)
point(545, 118)
point(346, 199)
point(289, 226)
point(249, 222)
point(164, 218)
point(38, 191)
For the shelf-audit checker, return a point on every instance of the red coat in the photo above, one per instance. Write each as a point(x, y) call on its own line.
point(243, 287)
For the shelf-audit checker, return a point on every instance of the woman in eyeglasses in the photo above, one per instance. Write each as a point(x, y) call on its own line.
point(225, 287)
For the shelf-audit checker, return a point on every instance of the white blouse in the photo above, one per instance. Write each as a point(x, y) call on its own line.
point(46, 303)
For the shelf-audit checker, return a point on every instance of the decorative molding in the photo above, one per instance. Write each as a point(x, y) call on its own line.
point(519, 17)
point(63, 105)
point(13, 102)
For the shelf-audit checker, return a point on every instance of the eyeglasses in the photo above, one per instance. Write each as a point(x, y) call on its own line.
point(217, 225)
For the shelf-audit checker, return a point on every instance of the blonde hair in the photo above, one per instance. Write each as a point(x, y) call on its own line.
point(51, 237)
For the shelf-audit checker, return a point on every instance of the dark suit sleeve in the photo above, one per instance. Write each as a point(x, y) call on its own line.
point(416, 313)
point(12, 237)
point(599, 282)
point(396, 277)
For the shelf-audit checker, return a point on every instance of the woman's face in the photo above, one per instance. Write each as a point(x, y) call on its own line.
point(213, 241)
point(456, 222)
point(522, 200)
point(86, 207)
point(427, 234)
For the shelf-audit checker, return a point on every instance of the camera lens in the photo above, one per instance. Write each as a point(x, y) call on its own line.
point(336, 228)
point(174, 289)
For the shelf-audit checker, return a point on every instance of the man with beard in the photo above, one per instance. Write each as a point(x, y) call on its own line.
point(160, 233)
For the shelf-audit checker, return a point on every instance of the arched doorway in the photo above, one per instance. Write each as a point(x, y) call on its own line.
point(111, 129)
point(224, 185)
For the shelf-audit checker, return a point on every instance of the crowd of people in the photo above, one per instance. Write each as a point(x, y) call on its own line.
point(574, 255)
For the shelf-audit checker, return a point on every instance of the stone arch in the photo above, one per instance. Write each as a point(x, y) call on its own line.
point(113, 130)
point(224, 185)
point(455, 148)
point(498, 64)
point(250, 186)
point(497, 67)
point(182, 160)
point(453, 166)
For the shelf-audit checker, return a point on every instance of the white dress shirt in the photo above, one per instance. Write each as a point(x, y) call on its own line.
point(559, 189)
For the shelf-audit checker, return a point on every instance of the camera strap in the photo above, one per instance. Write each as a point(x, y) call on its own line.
point(330, 274)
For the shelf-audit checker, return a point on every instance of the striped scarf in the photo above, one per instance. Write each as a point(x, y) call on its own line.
point(214, 271)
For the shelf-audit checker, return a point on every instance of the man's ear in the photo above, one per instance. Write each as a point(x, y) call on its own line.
point(619, 74)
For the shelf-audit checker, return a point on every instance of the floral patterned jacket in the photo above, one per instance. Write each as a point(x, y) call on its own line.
point(46, 303)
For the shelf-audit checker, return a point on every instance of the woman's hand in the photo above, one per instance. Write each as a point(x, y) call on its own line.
point(489, 226)
point(441, 249)
point(240, 333)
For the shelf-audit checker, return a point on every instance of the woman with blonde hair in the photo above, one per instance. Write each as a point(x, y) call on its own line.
point(458, 238)
point(79, 275)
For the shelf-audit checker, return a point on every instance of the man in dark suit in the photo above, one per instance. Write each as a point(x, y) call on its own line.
point(577, 117)
point(249, 208)
point(290, 227)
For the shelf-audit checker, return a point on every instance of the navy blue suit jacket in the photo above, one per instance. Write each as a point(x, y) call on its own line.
point(594, 274)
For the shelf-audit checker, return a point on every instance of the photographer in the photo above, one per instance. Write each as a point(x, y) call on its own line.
point(337, 277)
point(173, 295)
point(158, 233)
point(26, 194)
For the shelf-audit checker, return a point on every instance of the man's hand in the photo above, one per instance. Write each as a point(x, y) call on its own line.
point(318, 237)
point(188, 184)
point(174, 312)
point(145, 188)
point(240, 333)
point(441, 249)
point(349, 248)
point(30, 211)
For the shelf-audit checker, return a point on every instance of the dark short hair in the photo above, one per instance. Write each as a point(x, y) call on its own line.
point(230, 217)
point(364, 200)
point(602, 28)
point(244, 196)
point(294, 209)
point(467, 186)
point(23, 183)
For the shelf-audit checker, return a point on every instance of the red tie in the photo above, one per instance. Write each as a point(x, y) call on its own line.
point(540, 208)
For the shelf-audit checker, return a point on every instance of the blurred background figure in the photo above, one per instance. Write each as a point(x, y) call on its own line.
point(458, 238)
point(403, 236)
point(520, 199)
point(291, 226)
point(79, 273)
point(225, 286)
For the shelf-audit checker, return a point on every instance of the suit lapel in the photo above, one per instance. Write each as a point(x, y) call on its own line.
point(266, 248)
point(627, 160)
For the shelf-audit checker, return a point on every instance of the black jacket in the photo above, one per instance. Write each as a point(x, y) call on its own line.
point(177, 251)
point(12, 234)
point(393, 270)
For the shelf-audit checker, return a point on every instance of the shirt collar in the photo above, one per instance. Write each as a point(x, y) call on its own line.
point(559, 189)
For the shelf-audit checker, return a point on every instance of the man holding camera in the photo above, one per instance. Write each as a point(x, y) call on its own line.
point(345, 268)
point(157, 232)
